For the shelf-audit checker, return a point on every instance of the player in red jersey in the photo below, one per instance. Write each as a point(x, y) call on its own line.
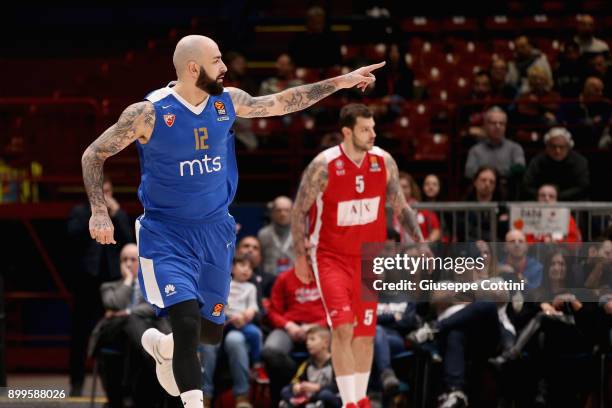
point(342, 199)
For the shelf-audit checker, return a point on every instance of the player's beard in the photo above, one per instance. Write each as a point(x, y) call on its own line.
point(361, 146)
point(207, 84)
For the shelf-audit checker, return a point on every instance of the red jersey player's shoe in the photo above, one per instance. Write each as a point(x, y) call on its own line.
point(364, 403)
point(350, 405)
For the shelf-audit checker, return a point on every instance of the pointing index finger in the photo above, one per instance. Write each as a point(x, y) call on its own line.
point(373, 67)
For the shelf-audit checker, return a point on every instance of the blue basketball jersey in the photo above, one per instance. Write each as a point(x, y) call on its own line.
point(188, 167)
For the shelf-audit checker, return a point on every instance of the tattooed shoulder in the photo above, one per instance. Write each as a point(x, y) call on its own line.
point(393, 187)
point(314, 181)
point(142, 115)
point(391, 166)
point(317, 172)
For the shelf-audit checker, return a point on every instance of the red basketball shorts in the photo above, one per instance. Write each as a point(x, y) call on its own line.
point(339, 280)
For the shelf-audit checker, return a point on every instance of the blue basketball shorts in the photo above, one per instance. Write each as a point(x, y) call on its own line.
point(180, 262)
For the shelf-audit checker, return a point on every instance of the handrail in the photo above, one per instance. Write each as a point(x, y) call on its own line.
point(475, 206)
point(455, 205)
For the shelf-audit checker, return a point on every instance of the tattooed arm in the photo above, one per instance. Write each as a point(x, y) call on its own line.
point(395, 198)
point(314, 181)
point(135, 123)
point(298, 98)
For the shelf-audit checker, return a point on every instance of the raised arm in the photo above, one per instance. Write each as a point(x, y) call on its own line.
point(314, 181)
point(135, 123)
point(395, 198)
point(300, 97)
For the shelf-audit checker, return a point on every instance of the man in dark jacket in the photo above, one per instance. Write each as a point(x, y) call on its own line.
point(127, 316)
point(95, 264)
point(558, 165)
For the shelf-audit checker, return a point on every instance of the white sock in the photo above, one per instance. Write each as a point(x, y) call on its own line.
point(192, 399)
point(361, 385)
point(346, 386)
point(166, 346)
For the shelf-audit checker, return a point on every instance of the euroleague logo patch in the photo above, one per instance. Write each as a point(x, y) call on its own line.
point(374, 164)
point(217, 309)
point(221, 111)
point(169, 119)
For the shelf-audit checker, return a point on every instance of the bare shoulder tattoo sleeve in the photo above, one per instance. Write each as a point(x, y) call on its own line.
point(136, 121)
point(314, 181)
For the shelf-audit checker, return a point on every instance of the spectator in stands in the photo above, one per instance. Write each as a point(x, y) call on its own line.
point(506, 156)
point(395, 81)
point(431, 188)
point(330, 139)
point(585, 38)
point(484, 189)
point(472, 112)
point(275, 238)
point(589, 116)
point(558, 165)
point(599, 67)
point(557, 327)
point(548, 193)
point(500, 88)
point(285, 77)
point(569, 74)
point(238, 77)
point(526, 56)
point(318, 46)
point(428, 220)
point(523, 266)
point(242, 339)
point(464, 332)
point(236, 74)
point(96, 264)
point(294, 308)
point(314, 383)
point(604, 322)
point(484, 185)
point(251, 247)
point(539, 103)
point(599, 275)
point(127, 316)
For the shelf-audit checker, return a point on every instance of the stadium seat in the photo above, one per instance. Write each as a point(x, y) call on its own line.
point(375, 52)
point(431, 147)
point(419, 24)
point(539, 23)
point(460, 24)
point(350, 52)
point(267, 126)
point(501, 25)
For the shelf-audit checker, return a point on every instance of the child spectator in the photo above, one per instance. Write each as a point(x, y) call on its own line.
point(242, 307)
point(242, 340)
point(314, 383)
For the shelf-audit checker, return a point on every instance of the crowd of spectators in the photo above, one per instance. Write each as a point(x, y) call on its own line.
point(276, 334)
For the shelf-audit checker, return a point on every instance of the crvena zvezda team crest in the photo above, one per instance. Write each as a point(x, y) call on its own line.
point(169, 118)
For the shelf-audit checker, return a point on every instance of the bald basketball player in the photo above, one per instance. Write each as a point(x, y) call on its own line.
point(186, 236)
